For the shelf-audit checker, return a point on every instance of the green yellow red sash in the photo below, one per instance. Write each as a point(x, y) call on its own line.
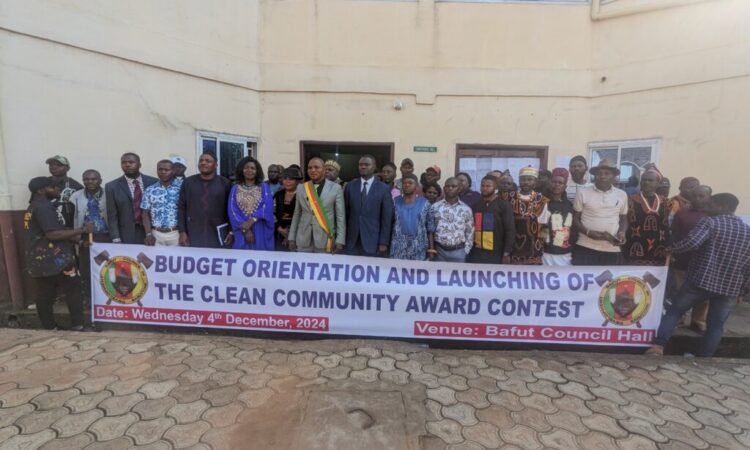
point(320, 214)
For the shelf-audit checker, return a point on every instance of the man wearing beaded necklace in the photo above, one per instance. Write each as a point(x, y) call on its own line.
point(529, 212)
point(648, 223)
point(601, 219)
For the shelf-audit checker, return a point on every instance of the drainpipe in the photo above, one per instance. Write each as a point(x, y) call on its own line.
point(616, 9)
point(7, 233)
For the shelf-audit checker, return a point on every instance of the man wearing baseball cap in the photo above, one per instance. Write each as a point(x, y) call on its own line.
point(179, 166)
point(50, 258)
point(58, 168)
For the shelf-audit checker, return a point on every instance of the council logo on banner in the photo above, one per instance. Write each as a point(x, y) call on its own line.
point(625, 300)
point(122, 278)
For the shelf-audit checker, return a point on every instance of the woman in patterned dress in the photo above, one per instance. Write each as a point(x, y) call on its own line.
point(409, 237)
point(648, 223)
point(251, 208)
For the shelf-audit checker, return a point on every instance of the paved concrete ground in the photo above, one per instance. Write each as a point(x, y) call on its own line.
point(115, 390)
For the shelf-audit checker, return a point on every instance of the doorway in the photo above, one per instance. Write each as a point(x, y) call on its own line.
point(347, 154)
point(479, 159)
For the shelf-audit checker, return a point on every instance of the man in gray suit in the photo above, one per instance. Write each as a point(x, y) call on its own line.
point(124, 195)
point(305, 233)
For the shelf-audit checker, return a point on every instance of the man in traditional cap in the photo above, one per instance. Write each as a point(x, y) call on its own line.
point(124, 196)
point(647, 236)
point(430, 175)
point(50, 258)
point(179, 166)
point(202, 214)
point(578, 179)
point(529, 212)
point(59, 166)
point(332, 170)
point(601, 219)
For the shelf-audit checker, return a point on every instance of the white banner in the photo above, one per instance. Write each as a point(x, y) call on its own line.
point(347, 295)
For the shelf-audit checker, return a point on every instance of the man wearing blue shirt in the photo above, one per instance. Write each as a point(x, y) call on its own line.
point(160, 205)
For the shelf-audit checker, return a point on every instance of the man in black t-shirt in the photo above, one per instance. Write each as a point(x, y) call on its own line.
point(49, 255)
point(494, 226)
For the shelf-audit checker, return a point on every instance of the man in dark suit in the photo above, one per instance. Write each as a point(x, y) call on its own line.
point(124, 196)
point(369, 212)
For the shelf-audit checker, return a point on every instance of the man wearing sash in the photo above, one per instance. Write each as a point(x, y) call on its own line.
point(319, 221)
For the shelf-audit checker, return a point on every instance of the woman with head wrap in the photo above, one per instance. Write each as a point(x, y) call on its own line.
point(648, 223)
point(558, 233)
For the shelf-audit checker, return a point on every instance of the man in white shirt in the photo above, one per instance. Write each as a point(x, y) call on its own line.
point(600, 216)
point(578, 179)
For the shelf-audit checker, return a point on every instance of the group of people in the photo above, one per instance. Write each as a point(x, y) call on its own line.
point(557, 218)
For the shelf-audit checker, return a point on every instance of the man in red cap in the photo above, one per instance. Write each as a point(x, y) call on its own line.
point(559, 234)
point(431, 175)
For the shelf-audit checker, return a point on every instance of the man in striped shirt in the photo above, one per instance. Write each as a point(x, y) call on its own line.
point(719, 271)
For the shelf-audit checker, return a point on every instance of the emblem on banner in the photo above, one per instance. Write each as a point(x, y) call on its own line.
point(625, 300)
point(122, 278)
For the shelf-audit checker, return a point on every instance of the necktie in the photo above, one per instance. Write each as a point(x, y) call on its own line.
point(363, 194)
point(137, 197)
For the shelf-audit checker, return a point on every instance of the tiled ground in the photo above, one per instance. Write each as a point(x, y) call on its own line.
point(141, 390)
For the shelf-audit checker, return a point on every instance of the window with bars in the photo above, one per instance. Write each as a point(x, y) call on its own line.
point(630, 156)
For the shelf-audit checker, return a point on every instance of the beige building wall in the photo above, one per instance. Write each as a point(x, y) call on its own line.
point(92, 79)
point(682, 75)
